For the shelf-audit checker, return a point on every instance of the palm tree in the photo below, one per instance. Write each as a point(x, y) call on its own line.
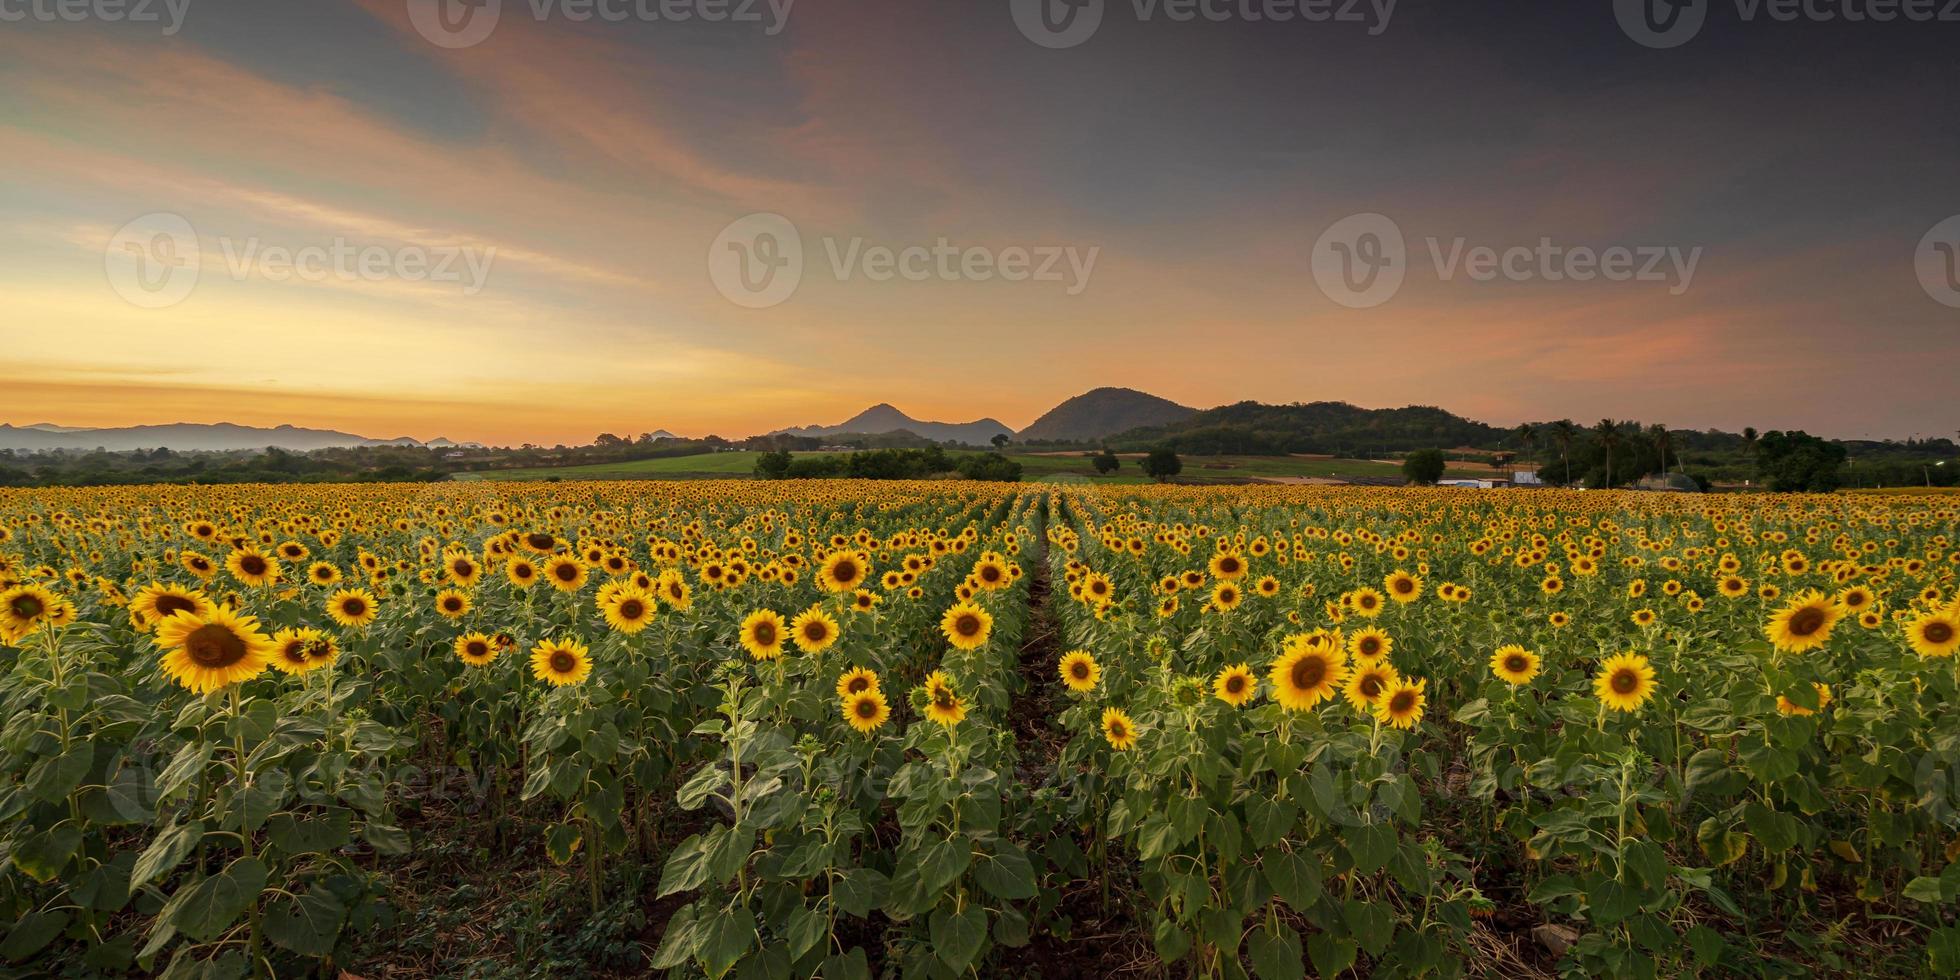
point(1609, 437)
point(1658, 433)
point(1563, 432)
point(1527, 436)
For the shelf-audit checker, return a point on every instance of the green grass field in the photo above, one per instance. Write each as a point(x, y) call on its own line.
point(1033, 468)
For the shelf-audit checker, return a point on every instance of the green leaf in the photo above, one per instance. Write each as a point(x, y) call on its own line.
point(184, 768)
point(43, 855)
point(944, 862)
point(1276, 953)
point(561, 841)
point(1371, 924)
point(687, 867)
point(724, 938)
point(726, 851)
point(1923, 889)
point(308, 925)
point(1170, 940)
point(848, 966)
point(803, 929)
point(386, 838)
point(1370, 845)
point(1294, 878)
point(1611, 901)
point(1331, 955)
point(203, 911)
point(859, 891)
point(165, 853)
point(54, 777)
point(1707, 944)
point(1006, 873)
point(1776, 831)
point(32, 933)
point(316, 835)
point(957, 937)
point(678, 940)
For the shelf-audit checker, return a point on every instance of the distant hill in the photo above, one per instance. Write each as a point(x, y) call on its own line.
point(184, 437)
point(1316, 427)
point(1101, 413)
point(882, 418)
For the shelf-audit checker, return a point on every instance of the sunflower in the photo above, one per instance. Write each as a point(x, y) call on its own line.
point(1226, 596)
point(1366, 601)
point(866, 710)
point(539, 542)
point(857, 680)
point(1370, 644)
point(672, 590)
point(1559, 620)
point(628, 609)
point(560, 662)
point(1401, 705)
point(452, 604)
point(1733, 587)
point(1079, 671)
point(251, 566)
point(1856, 598)
point(1167, 607)
point(1402, 587)
point(762, 634)
point(213, 651)
point(813, 630)
point(1642, 617)
point(1235, 685)
point(966, 626)
point(1118, 730)
point(323, 573)
point(156, 602)
point(565, 573)
point(461, 568)
point(198, 565)
point(476, 649)
point(1624, 682)
point(1804, 623)
point(521, 572)
point(1786, 706)
point(353, 608)
point(292, 651)
point(864, 600)
point(1934, 634)
point(1368, 683)
point(1307, 674)
point(1514, 665)
point(990, 572)
point(842, 571)
point(942, 704)
point(1227, 566)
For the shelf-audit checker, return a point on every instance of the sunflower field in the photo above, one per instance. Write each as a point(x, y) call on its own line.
point(942, 729)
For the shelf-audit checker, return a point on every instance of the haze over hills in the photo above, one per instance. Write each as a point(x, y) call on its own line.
point(1103, 412)
point(882, 418)
point(193, 437)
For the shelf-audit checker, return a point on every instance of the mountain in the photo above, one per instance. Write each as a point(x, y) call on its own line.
point(1104, 412)
point(184, 436)
point(1315, 427)
point(882, 418)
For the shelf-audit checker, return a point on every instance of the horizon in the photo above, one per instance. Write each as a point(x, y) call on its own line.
point(554, 227)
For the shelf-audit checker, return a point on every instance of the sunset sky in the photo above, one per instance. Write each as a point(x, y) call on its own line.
point(1200, 160)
